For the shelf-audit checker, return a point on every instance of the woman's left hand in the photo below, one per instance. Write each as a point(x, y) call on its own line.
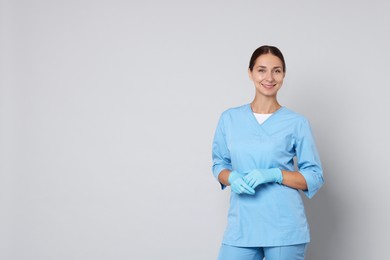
point(259, 176)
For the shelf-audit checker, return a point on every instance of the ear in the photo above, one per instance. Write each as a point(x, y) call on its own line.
point(250, 74)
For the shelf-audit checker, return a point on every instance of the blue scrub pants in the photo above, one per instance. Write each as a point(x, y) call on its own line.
point(293, 252)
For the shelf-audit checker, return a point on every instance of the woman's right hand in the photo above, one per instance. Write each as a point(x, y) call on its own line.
point(238, 185)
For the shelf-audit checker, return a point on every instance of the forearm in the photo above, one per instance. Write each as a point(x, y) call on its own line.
point(223, 177)
point(294, 180)
point(291, 179)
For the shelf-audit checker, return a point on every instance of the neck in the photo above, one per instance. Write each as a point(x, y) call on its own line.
point(265, 105)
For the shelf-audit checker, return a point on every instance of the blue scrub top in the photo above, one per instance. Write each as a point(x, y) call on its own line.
point(275, 215)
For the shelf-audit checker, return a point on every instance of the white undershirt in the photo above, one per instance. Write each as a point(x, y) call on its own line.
point(261, 117)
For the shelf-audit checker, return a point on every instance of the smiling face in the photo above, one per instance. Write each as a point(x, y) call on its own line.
point(267, 75)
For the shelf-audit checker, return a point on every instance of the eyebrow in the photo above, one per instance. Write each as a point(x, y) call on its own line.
point(264, 67)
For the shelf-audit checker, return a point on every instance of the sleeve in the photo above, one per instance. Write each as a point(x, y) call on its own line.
point(308, 160)
point(220, 151)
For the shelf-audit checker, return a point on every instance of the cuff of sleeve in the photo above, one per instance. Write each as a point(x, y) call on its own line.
point(314, 181)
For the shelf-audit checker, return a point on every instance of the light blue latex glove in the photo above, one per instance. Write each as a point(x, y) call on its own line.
point(259, 176)
point(238, 185)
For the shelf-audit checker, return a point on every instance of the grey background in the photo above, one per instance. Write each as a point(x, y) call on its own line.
point(108, 110)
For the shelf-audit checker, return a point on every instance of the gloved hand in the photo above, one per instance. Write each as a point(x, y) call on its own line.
point(238, 185)
point(259, 176)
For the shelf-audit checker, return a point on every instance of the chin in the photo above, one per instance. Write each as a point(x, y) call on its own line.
point(268, 92)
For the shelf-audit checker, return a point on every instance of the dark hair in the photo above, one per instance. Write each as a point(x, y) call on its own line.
point(264, 50)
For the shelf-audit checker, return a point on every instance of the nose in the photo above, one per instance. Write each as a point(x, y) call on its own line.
point(269, 76)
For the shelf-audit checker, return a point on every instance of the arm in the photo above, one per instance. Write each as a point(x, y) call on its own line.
point(221, 155)
point(291, 179)
point(222, 167)
point(288, 178)
point(294, 180)
point(308, 160)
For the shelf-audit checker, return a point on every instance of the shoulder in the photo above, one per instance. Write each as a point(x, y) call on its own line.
point(289, 114)
point(235, 111)
point(234, 116)
point(299, 123)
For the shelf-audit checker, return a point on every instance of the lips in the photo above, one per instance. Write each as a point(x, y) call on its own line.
point(268, 86)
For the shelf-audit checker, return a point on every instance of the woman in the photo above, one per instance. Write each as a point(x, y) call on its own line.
point(253, 150)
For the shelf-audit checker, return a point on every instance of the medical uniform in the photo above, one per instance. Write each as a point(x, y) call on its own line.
point(275, 215)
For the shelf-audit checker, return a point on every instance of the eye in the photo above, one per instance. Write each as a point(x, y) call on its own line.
point(278, 71)
point(262, 70)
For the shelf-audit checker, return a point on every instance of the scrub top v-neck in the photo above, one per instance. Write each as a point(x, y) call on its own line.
point(255, 121)
point(261, 118)
point(275, 215)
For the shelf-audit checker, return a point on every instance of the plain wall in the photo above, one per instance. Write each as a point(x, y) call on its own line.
point(108, 110)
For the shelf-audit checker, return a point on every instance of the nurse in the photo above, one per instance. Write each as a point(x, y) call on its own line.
point(253, 152)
